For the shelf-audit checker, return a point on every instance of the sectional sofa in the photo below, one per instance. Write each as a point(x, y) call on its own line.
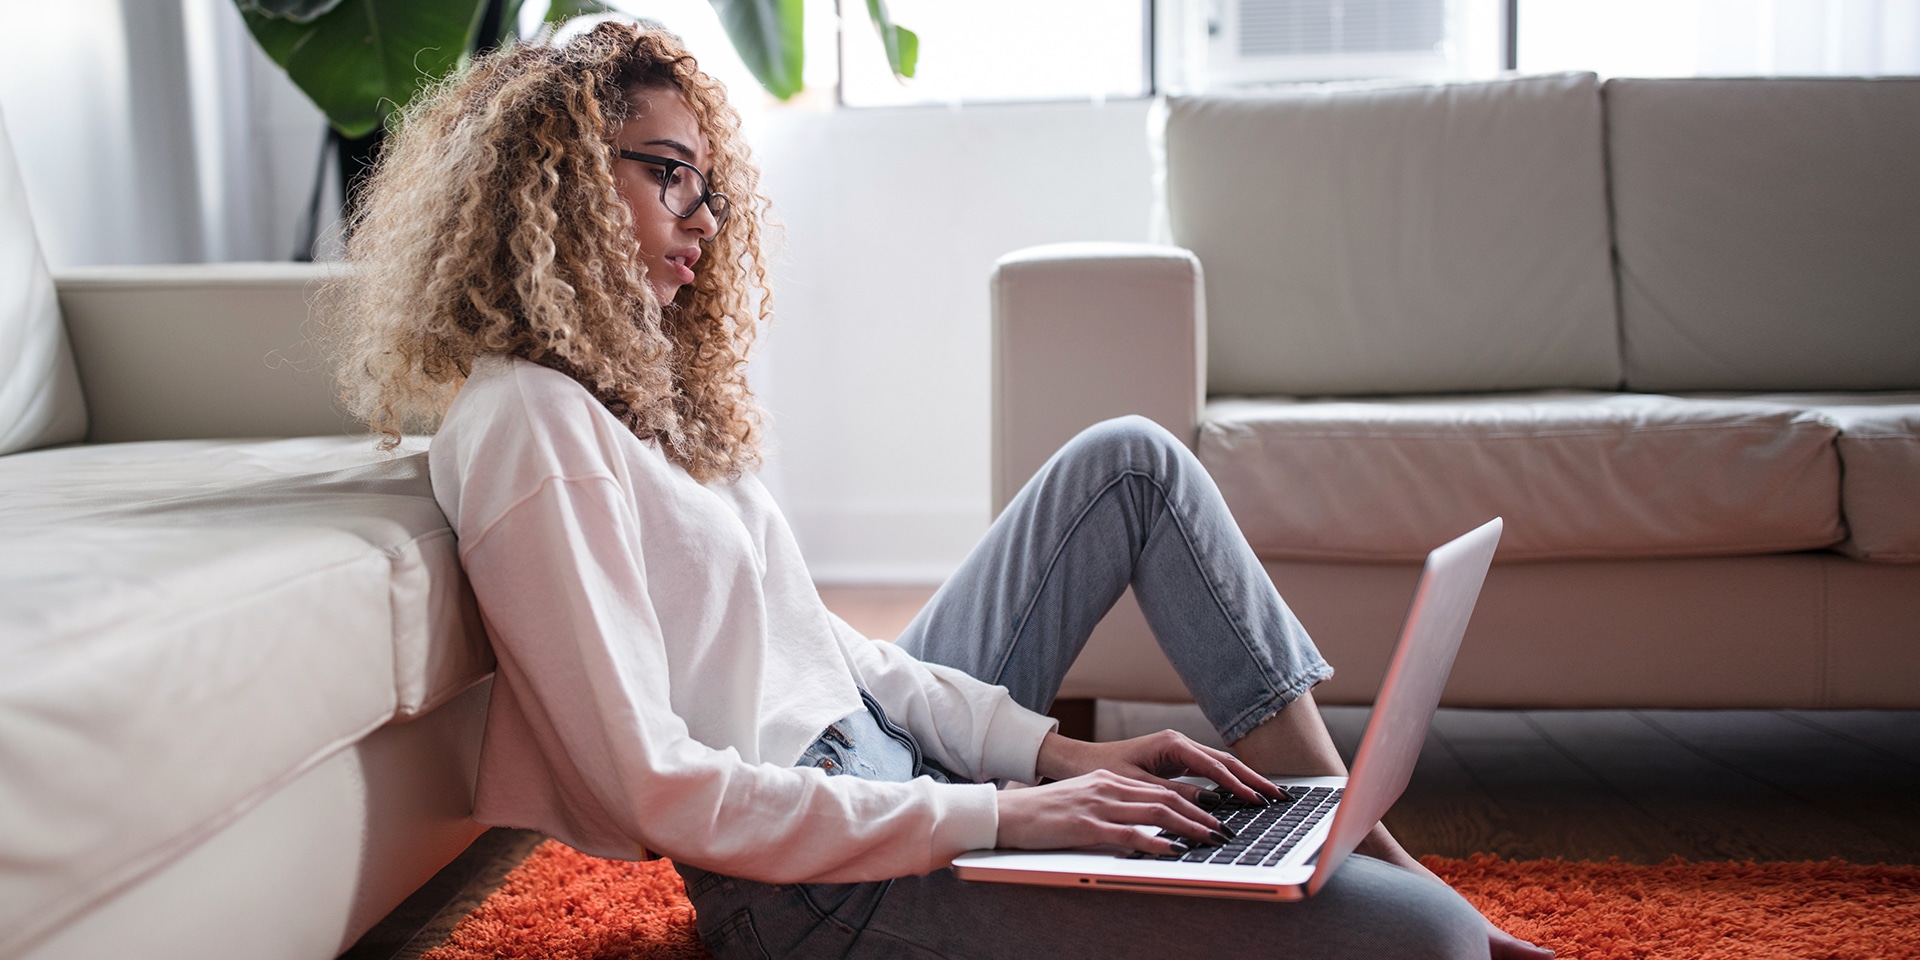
point(1669, 329)
point(242, 679)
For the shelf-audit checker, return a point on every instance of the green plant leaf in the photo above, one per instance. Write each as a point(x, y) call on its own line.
point(903, 45)
point(560, 11)
point(298, 11)
point(364, 60)
point(768, 35)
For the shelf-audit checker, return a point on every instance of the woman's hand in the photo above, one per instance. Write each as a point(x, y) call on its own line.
point(1105, 791)
point(1101, 807)
point(1155, 758)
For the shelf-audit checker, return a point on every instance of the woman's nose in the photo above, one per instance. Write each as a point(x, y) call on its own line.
point(702, 222)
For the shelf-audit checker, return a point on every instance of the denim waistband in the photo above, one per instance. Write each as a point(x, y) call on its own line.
point(869, 745)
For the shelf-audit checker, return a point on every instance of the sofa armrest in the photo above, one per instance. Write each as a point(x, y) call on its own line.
point(199, 351)
point(1083, 332)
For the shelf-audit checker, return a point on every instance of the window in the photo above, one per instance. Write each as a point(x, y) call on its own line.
point(1222, 44)
point(988, 51)
point(1685, 38)
point(1298, 28)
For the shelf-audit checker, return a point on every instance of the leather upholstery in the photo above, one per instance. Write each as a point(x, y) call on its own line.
point(1766, 232)
point(1403, 239)
point(40, 402)
point(201, 351)
point(1577, 475)
point(302, 872)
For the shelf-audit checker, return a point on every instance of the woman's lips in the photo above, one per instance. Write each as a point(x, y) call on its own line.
point(682, 262)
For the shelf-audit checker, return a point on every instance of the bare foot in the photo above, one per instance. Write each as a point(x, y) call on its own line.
point(1502, 945)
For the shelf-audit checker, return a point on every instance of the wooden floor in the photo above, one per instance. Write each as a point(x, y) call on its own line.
point(1641, 785)
point(1646, 785)
point(426, 918)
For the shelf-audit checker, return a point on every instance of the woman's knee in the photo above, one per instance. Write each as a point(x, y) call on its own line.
point(1407, 914)
point(1131, 440)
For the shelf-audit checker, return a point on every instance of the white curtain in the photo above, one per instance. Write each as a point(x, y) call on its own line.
point(154, 131)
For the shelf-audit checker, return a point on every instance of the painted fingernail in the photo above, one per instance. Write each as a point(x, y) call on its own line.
point(1177, 847)
point(1207, 798)
point(1217, 836)
point(1226, 831)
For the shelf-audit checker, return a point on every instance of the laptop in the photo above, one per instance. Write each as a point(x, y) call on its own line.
point(1289, 850)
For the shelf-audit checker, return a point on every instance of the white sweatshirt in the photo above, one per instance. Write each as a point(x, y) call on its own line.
point(664, 659)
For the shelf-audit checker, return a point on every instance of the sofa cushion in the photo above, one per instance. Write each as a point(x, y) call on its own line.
point(1768, 232)
point(338, 483)
point(1575, 474)
point(1880, 477)
point(1879, 447)
point(187, 625)
point(155, 683)
point(1399, 239)
point(40, 400)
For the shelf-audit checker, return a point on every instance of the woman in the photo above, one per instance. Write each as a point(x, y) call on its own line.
point(569, 239)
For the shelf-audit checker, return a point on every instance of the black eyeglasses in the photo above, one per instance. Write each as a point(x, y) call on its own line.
point(683, 188)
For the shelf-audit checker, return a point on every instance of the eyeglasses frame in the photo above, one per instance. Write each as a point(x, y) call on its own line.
point(706, 186)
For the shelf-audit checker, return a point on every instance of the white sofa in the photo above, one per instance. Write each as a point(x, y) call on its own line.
point(1670, 329)
point(242, 680)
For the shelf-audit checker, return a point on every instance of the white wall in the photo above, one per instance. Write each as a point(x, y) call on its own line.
point(876, 370)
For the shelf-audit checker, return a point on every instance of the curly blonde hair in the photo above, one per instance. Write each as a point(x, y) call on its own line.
point(492, 226)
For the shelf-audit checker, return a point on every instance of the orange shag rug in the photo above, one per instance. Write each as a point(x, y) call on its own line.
point(563, 905)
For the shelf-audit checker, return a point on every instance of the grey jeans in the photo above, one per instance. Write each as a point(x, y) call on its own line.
point(1123, 504)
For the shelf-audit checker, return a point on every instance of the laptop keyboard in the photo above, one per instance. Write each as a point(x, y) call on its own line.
point(1262, 836)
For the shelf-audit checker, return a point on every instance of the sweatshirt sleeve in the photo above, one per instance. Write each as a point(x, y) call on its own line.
point(563, 588)
point(971, 727)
